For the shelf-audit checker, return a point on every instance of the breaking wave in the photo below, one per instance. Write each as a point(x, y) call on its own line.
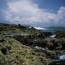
point(39, 28)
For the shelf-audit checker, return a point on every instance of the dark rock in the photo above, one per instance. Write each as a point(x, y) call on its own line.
point(2, 40)
point(4, 51)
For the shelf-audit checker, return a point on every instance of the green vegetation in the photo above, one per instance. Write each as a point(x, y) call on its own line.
point(17, 44)
point(13, 52)
point(60, 34)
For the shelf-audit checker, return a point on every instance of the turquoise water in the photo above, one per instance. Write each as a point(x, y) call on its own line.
point(53, 29)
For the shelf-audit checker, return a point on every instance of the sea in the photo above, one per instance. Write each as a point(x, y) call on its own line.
point(51, 29)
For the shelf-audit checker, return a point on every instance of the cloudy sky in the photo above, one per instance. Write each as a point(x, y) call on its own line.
point(42, 13)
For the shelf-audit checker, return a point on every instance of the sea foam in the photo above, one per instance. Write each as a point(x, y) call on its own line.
point(39, 28)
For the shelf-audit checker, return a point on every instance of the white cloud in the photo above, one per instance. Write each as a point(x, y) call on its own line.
point(27, 12)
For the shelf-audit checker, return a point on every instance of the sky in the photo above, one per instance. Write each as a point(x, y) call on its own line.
point(40, 13)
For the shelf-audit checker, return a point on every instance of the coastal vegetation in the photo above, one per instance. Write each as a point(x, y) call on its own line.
point(18, 45)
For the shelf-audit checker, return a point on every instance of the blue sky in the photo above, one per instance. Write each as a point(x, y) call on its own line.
point(40, 13)
point(50, 4)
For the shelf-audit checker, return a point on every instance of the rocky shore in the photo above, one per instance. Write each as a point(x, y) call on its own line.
point(22, 45)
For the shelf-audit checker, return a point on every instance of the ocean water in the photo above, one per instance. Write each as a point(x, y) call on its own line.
point(51, 29)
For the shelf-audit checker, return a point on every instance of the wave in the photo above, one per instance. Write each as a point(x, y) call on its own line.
point(39, 28)
point(53, 36)
point(42, 48)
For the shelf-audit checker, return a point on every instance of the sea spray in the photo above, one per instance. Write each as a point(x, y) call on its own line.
point(39, 28)
point(62, 57)
point(52, 36)
point(42, 48)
